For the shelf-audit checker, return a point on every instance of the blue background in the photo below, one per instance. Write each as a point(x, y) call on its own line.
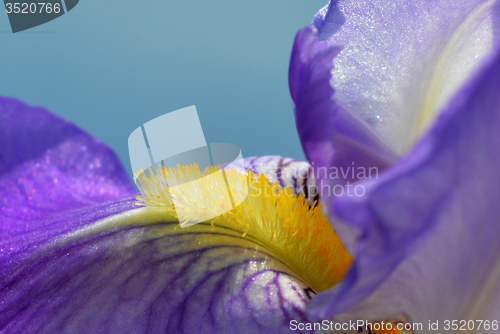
point(110, 66)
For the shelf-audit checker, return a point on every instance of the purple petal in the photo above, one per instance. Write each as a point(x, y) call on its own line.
point(136, 274)
point(49, 166)
point(430, 233)
point(402, 60)
point(332, 135)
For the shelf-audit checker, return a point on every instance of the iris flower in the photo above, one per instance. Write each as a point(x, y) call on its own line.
point(78, 255)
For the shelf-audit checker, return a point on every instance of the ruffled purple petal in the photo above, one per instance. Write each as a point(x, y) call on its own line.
point(430, 226)
point(398, 65)
point(49, 166)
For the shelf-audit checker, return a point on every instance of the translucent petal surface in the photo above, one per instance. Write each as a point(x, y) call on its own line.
point(402, 60)
point(430, 233)
point(333, 136)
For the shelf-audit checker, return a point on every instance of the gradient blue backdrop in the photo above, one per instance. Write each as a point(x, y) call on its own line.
point(110, 66)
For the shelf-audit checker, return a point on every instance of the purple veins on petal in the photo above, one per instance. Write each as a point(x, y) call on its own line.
point(153, 278)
